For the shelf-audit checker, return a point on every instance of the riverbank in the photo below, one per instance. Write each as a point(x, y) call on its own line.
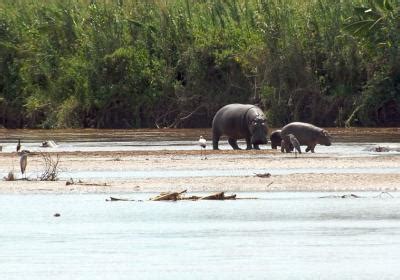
point(177, 170)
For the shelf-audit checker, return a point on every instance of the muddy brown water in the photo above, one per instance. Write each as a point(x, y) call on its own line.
point(389, 135)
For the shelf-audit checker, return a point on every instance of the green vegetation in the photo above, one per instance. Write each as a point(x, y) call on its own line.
point(174, 63)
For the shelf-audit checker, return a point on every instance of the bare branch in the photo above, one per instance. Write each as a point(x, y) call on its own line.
point(51, 170)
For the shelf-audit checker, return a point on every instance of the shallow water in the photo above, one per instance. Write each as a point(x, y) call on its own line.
point(157, 140)
point(338, 150)
point(345, 148)
point(350, 141)
point(122, 135)
point(281, 236)
point(171, 139)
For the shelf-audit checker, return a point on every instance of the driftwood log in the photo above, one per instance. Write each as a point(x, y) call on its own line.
point(119, 199)
point(263, 175)
point(342, 196)
point(72, 182)
point(174, 196)
point(168, 196)
point(218, 196)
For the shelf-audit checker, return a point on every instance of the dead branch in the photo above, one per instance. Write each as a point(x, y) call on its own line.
point(181, 117)
point(218, 196)
point(72, 182)
point(51, 170)
point(168, 196)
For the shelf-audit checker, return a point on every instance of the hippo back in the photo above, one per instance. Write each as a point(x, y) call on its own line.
point(306, 133)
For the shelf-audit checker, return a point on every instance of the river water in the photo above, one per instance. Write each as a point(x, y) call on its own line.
point(279, 236)
point(347, 143)
point(350, 141)
point(156, 139)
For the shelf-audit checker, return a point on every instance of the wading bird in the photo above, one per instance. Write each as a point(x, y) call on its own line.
point(295, 143)
point(203, 145)
point(23, 161)
point(49, 144)
point(19, 145)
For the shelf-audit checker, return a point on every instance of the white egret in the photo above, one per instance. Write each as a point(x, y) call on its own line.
point(203, 145)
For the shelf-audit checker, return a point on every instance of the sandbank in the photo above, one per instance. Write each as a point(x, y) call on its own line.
point(340, 179)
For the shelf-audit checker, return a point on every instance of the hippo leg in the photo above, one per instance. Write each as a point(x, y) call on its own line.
point(215, 141)
point(248, 143)
point(310, 148)
point(233, 143)
point(283, 145)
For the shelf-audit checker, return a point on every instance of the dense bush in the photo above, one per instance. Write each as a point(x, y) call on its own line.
point(133, 63)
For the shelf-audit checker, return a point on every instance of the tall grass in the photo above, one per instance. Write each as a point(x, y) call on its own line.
point(132, 63)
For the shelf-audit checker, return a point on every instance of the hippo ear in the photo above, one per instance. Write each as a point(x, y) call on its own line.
point(325, 133)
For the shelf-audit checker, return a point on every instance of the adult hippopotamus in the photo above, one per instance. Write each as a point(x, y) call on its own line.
point(275, 138)
point(238, 121)
point(307, 134)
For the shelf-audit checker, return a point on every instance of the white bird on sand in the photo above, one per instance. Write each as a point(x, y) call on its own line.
point(23, 161)
point(49, 144)
point(203, 145)
point(295, 143)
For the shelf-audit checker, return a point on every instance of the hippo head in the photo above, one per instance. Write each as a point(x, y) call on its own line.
point(276, 139)
point(258, 130)
point(324, 138)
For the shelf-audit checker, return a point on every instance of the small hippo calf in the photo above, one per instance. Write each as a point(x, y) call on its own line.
point(275, 138)
point(307, 134)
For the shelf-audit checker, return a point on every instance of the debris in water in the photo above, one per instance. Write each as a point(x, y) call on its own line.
point(175, 196)
point(384, 195)
point(118, 199)
point(72, 182)
point(168, 196)
point(218, 196)
point(341, 196)
point(263, 175)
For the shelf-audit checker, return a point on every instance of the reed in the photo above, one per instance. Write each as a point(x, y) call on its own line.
point(132, 63)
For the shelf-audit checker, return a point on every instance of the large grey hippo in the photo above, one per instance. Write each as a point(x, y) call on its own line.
point(238, 121)
point(307, 134)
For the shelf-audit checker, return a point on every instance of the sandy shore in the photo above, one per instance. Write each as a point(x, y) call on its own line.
point(181, 161)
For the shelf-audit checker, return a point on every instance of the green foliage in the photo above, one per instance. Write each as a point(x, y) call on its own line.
point(156, 63)
point(376, 24)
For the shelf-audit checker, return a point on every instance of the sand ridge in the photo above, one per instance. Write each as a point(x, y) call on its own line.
point(181, 161)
